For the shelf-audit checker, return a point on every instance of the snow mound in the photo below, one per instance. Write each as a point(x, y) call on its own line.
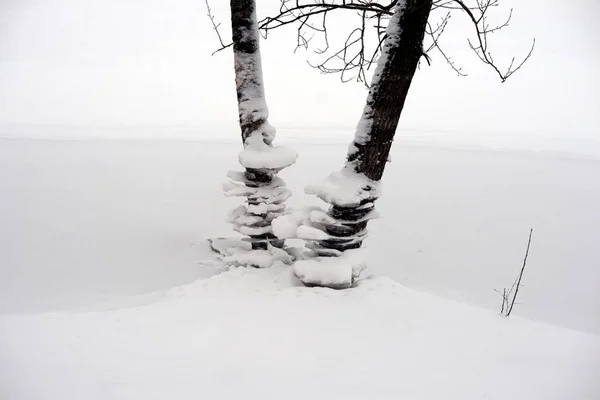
point(255, 334)
point(259, 155)
point(296, 225)
point(345, 188)
point(333, 272)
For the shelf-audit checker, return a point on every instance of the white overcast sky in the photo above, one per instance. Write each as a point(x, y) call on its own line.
point(148, 62)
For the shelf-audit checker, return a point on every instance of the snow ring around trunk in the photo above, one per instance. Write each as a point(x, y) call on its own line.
point(345, 188)
point(259, 155)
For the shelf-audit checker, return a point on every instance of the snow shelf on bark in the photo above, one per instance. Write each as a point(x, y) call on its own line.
point(264, 202)
point(345, 188)
point(308, 223)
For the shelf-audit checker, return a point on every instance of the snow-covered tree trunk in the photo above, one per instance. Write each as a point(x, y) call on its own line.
point(352, 191)
point(253, 111)
point(402, 50)
point(264, 191)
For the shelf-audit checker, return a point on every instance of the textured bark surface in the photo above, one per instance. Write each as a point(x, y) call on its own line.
point(243, 14)
point(380, 118)
point(351, 231)
point(387, 96)
point(248, 71)
point(258, 178)
point(253, 113)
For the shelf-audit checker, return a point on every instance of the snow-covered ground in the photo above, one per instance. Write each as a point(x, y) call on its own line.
point(256, 334)
point(106, 291)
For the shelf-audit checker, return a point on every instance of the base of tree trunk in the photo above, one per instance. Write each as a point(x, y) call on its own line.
point(265, 200)
point(346, 228)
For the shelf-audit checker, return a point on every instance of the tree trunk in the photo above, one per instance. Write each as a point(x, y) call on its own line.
point(264, 192)
point(369, 152)
point(252, 107)
point(399, 60)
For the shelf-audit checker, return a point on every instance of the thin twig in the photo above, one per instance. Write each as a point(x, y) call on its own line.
point(216, 28)
point(520, 275)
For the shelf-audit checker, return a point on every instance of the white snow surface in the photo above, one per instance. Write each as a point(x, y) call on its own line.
point(345, 188)
point(108, 290)
point(256, 258)
point(310, 233)
point(288, 226)
point(455, 217)
point(257, 334)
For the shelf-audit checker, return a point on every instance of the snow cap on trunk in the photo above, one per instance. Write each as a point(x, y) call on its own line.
point(259, 155)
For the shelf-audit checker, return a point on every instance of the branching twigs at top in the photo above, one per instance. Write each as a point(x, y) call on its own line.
point(435, 34)
point(353, 57)
point(483, 29)
point(362, 46)
point(216, 26)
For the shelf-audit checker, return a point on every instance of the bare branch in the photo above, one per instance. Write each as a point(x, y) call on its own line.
point(482, 31)
point(435, 35)
point(216, 28)
point(359, 51)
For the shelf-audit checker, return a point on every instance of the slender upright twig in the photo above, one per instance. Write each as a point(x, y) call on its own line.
point(518, 283)
point(216, 28)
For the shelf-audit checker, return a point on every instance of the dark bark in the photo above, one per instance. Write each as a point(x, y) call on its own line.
point(253, 112)
point(245, 35)
point(387, 97)
point(242, 18)
point(384, 107)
